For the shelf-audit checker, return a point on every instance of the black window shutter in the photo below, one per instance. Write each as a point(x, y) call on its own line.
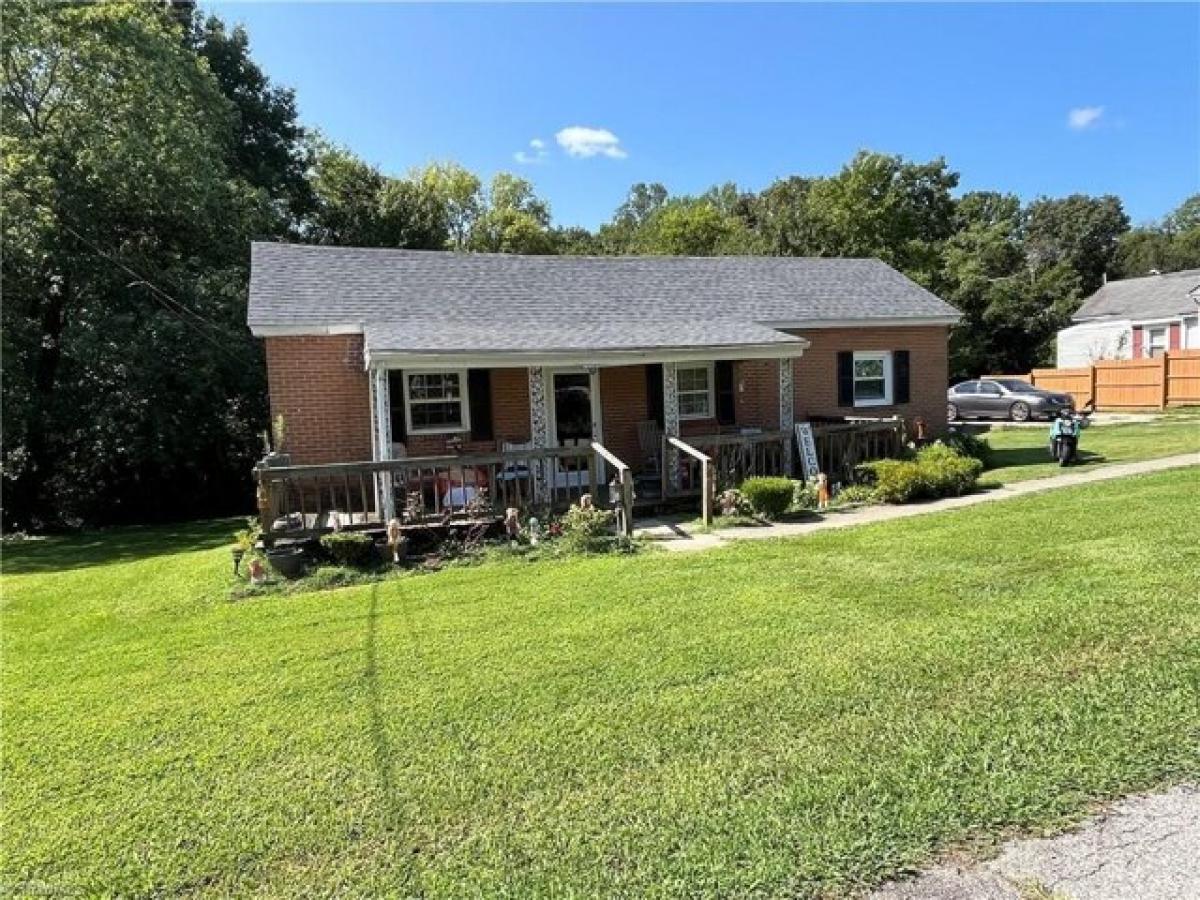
point(396, 396)
point(845, 378)
point(723, 374)
point(654, 393)
point(479, 398)
point(900, 374)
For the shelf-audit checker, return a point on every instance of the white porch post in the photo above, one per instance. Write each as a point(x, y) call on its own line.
point(539, 425)
point(381, 440)
point(671, 421)
point(787, 411)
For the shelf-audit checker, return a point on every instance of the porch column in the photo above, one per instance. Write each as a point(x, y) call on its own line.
point(671, 421)
point(539, 426)
point(787, 411)
point(381, 440)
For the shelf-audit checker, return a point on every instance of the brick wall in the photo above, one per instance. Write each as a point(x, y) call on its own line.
point(816, 372)
point(319, 385)
point(756, 393)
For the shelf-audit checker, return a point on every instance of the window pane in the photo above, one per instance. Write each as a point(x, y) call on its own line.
point(433, 386)
point(436, 414)
point(868, 389)
point(693, 379)
point(694, 404)
point(868, 368)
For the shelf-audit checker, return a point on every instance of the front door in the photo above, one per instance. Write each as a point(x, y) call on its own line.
point(575, 421)
point(572, 409)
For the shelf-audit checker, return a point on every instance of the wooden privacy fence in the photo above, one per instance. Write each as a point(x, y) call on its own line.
point(1172, 379)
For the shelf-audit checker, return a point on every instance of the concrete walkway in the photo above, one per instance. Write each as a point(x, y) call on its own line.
point(673, 537)
point(1143, 847)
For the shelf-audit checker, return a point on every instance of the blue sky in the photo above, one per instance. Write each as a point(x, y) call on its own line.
point(1027, 98)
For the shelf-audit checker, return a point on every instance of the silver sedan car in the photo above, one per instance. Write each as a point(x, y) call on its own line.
point(1004, 398)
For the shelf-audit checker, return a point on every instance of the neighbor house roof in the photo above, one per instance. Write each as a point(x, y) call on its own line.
point(1148, 297)
point(414, 300)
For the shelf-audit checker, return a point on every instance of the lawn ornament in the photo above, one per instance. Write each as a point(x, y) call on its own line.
point(512, 523)
point(396, 541)
point(585, 501)
point(258, 571)
point(822, 491)
point(535, 531)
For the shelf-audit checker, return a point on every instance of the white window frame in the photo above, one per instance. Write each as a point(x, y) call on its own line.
point(464, 391)
point(1148, 339)
point(884, 356)
point(711, 398)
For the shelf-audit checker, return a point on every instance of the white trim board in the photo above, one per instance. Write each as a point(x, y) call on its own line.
point(560, 359)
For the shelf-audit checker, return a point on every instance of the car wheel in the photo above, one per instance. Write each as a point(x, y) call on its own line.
point(951, 412)
point(1019, 412)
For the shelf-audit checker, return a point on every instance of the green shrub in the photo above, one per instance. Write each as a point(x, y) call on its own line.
point(804, 494)
point(587, 530)
point(947, 472)
point(733, 502)
point(968, 445)
point(769, 496)
point(855, 493)
point(936, 471)
point(349, 548)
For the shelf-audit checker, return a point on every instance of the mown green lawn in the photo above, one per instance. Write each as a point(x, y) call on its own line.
point(1021, 453)
point(771, 719)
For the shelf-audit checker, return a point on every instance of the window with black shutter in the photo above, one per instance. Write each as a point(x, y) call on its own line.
point(726, 408)
point(479, 399)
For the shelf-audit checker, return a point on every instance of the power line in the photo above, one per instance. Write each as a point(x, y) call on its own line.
point(165, 300)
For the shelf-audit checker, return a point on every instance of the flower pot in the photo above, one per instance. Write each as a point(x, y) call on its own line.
point(289, 562)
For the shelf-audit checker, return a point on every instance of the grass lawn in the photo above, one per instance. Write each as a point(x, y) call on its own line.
point(1021, 453)
point(771, 719)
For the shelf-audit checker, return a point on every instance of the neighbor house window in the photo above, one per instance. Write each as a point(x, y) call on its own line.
point(694, 387)
point(872, 378)
point(1156, 341)
point(435, 401)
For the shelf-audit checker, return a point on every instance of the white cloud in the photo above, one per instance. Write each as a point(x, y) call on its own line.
point(582, 142)
point(1083, 117)
point(538, 148)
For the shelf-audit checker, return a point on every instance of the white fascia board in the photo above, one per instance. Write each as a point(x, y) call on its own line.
point(891, 322)
point(394, 359)
point(301, 330)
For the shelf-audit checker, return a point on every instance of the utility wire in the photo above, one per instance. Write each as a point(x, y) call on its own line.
point(166, 301)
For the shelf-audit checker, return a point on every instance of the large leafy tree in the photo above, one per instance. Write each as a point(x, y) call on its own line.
point(1167, 246)
point(514, 219)
point(1078, 230)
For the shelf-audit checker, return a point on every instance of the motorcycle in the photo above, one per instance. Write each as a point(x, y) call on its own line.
point(1064, 435)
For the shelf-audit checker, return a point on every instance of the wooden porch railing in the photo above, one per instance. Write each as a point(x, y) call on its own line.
point(431, 489)
point(841, 447)
point(695, 459)
point(734, 458)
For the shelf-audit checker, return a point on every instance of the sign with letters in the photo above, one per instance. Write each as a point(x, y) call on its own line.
point(808, 450)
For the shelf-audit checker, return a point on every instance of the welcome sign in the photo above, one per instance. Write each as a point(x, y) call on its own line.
point(808, 450)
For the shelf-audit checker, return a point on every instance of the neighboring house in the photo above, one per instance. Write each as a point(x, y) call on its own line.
point(382, 354)
point(1134, 317)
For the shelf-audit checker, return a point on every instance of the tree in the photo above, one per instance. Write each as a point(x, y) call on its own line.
point(1078, 230)
point(514, 219)
point(460, 194)
point(1167, 246)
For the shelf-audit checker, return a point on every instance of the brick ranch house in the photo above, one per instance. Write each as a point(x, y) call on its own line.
point(380, 354)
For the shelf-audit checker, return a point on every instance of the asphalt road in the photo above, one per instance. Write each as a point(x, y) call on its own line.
point(1142, 848)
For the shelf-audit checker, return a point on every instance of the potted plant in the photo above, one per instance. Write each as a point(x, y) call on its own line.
point(290, 562)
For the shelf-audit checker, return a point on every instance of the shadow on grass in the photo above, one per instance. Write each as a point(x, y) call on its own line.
point(1020, 457)
point(61, 553)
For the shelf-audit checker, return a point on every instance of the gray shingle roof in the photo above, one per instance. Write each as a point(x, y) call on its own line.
point(428, 300)
point(1148, 297)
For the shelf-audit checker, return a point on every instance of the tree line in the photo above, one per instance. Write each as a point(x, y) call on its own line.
point(143, 149)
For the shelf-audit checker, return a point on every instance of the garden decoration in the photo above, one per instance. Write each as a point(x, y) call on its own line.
point(237, 553)
point(585, 501)
point(512, 523)
point(258, 572)
point(535, 531)
point(395, 540)
point(822, 491)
